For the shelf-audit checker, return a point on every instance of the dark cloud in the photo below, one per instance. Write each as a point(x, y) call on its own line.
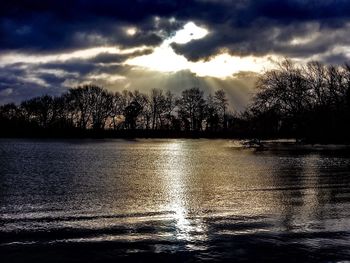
point(21, 81)
point(339, 58)
point(269, 27)
point(18, 82)
point(292, 28)
point(57, 25)
point(118, 58)
point(242, 26)
point(266, 38)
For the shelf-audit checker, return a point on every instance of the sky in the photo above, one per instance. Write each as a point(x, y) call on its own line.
point(47, 47)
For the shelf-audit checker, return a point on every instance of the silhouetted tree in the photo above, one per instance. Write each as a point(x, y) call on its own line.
point(191, 108)
point(169, 107)
point(221, 103)
point(212, 115)
point(131, 113)
point(39, 110)
point(158, 107)
point(81, 104)
point(116, 110)
point(143, 119)
point(11, 117)
point(301, 101)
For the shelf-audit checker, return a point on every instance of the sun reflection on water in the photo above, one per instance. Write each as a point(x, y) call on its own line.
point(176, 174)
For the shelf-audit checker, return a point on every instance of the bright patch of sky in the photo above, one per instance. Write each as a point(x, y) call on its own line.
point(164, 58)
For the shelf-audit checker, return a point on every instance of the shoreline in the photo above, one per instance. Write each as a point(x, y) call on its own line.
point(267, 142)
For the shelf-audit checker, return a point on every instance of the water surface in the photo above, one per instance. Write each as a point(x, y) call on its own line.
point(172, 200)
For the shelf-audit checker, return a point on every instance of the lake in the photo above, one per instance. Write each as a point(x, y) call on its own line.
point(172, 200)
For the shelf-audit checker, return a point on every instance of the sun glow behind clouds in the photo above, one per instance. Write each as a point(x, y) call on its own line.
point(131, 31)
point(164, 58)
point(188, 33)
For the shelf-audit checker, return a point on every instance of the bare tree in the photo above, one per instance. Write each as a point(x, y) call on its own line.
point(39, 110)
point(158, 106)
point(191, 108)
point(221, 103)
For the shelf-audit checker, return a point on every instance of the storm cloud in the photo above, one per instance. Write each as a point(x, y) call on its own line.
point(300, 29)
point(293, 28)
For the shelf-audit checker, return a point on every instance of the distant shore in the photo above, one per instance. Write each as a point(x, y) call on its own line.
point(78, 133)
point(165, 134)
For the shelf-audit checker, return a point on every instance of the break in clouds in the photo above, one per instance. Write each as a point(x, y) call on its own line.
point(49, 46)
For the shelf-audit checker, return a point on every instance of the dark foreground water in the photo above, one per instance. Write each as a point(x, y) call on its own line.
point(172, 200)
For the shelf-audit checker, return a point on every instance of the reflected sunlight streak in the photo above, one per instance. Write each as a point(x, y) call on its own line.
point(174, 170)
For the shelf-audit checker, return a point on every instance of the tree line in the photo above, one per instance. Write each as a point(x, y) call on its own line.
point(93, 108)
point(309, 102)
